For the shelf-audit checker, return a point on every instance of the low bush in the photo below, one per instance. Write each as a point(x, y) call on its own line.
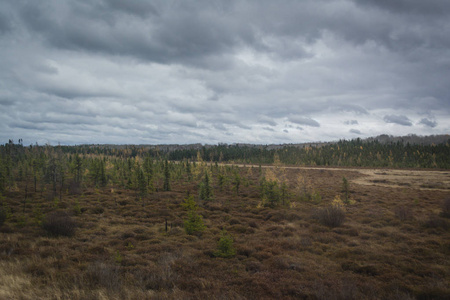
point(434, 221)
point(331, 216)
point(104, 275)
point(446, 208)
point(98, 210)
point(2, 216)
point(59, 223)
point(403, 213)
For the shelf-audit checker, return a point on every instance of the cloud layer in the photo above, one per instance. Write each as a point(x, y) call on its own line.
point(110, 71)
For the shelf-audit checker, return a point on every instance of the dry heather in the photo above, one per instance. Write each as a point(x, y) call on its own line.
point(393, 244)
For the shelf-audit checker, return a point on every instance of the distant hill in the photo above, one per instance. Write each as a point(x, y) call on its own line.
point(411, 139)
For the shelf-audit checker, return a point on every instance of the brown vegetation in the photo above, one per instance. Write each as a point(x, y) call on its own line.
point(105, 243)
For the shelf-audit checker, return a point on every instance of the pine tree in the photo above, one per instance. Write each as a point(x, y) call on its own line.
point(148, 168)
point(166, 186)
point(141, 183)
point(237, 182)
point(205, 189)
point(345, 189)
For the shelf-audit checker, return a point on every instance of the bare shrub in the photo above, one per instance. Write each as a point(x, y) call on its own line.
point(434, 221)
point(331, 216)
point(403, 213)
point(305, 241)
point(2, 216)
point(74, 188)
point(98, 210)
point(105, 275)
point(59, 223)
point(446, 208)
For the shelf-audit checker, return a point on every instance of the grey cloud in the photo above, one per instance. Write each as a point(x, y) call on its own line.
point(430, 7)
point(178, 32)
point(397, 119)
point(212, 70)
point(6, 101)
point(220, 127)
point(353, 108)
point(188, 34)
point(243, 126)
point(134, 7)
point(303, 121)
point(73, 92)
point(427, 122)
point(5, 23)
point(192, 31)
point(355, 131)
point(182, 119)
point(267, 120)
point(406, 26)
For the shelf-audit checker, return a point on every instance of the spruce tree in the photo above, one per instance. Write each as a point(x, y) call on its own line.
point(166, 186)
point(205, 189)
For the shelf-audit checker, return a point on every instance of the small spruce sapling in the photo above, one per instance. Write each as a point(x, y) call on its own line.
point(225, 246)
point(345, 190)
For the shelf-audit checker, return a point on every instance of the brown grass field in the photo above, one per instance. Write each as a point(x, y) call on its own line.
point(393, 244)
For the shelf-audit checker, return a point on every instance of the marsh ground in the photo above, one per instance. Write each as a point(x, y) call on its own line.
point(393, 244)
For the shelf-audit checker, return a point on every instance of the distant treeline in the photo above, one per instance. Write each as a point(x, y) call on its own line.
point(147, 168)
point(354, 153)
point(350, 153)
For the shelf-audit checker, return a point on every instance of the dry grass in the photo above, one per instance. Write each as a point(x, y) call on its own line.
point(394, 244)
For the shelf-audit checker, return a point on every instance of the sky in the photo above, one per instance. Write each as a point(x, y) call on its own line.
point(210, 71)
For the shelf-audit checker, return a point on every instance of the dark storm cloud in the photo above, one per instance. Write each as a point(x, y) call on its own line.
point(355, 131)
point(429, 7)
point(422, 17)
point(178, 32)
point(134, 7)
point(303, 121)
point(6, 101)
point(427, 122)
point(72, 92)
point(400, 120)
point(5, 24)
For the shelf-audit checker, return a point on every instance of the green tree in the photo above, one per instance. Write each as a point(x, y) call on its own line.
point(141, 182)
point(194, 223)
point(237, 182)
point(189, 204)
point(284, 194)
point(188, 170)
point(77, 168)
point(3, 176)
point(345, 190)
point(270, 193)
point(148, 169)
point(205, 189)
point(166, 186)
point(221, 180)
point(225, 246)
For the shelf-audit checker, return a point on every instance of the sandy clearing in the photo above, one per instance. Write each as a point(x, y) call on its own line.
point(396, 178)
